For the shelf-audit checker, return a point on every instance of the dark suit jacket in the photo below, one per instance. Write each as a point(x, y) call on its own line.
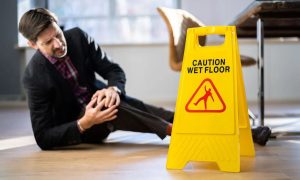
point(53, 107)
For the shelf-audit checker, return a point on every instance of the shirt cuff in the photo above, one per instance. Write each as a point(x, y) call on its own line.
point(116, 89)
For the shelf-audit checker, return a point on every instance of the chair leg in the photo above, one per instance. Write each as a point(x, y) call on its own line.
point(252, 117)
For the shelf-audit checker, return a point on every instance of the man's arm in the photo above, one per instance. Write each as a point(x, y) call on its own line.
point(48, 134)
point(103, 65)
point(48, 131)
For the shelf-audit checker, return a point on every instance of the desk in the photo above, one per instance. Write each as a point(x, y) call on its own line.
point(273, 18)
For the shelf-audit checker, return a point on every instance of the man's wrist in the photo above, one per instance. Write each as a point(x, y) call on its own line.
point(81, 129)
point(115, 88)
point(83, 124)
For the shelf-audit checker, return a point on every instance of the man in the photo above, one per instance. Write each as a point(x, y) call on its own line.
point(68, 105)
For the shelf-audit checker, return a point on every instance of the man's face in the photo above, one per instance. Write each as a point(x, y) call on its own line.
point(51, 42)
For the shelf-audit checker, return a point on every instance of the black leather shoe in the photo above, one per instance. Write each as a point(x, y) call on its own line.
point(261, 135)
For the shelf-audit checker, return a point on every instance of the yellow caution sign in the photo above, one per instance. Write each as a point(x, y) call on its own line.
point(211, 118)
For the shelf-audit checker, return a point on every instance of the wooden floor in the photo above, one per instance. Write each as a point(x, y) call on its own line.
point(128, 155)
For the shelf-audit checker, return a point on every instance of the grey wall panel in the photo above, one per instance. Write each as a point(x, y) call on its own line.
point(10, 72)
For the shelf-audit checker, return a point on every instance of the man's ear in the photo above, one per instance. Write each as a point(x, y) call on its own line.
point(32, 44)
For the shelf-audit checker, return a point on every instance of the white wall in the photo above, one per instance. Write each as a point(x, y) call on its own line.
point(281, 71)
point(281, 60)
point(150, 78)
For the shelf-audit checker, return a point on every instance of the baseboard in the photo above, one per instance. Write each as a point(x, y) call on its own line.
point(13, 104)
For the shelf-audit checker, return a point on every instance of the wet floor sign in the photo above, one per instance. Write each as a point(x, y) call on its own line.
point(211, 119)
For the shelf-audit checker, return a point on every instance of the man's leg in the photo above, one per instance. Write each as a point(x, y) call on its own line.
point(157, 111)
point(96, 134)
point(149, 120)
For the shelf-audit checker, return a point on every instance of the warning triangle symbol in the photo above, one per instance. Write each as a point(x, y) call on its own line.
point(206, 98)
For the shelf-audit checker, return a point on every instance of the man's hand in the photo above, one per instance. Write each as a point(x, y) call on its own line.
point(95, 114)
point(110, 96)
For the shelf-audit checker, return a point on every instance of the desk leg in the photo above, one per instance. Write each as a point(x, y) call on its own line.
point(260, 40)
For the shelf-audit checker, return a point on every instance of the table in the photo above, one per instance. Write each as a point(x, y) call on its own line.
point(263, 19)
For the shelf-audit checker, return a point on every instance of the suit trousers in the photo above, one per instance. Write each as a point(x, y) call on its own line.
point(133, 115)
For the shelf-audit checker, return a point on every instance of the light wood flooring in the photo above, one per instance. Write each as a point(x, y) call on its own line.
point(128, 155)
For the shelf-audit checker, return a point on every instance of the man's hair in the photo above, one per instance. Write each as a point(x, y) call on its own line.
point(34, 21)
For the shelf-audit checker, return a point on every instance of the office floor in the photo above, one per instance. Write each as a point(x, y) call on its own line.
point(128, 155)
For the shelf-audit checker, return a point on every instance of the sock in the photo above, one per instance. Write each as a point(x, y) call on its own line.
point(169, 129)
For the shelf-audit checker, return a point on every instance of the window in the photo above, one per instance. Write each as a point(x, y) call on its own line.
point(108, 21)
point(23, 6)
point(115, 21)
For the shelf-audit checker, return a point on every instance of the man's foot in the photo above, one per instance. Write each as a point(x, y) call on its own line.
point(169, 129)
point(261, 135)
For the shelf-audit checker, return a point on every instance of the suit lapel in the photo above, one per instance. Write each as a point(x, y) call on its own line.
point(54, 73)
point(77, 60)
point(58, 79)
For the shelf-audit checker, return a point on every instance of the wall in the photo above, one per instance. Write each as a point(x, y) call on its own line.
point(150, 78)
point(281, 71)
point(10, 88)
point(281, 56)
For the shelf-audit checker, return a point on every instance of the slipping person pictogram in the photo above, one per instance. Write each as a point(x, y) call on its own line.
point(205, 97)
point(204, 92)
